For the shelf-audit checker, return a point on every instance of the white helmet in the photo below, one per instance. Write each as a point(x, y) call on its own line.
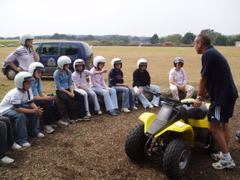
point(116, 61)
point(63, 60)
point(24, 37)
point(98, 59)
point(178, 60)
point(142, 62)
point(22, 77)
point(238, 135)
point(36, 66)
point(78, 62)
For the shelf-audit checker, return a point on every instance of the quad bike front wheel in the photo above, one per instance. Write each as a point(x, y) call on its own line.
point(135, 143)
point(176, 158)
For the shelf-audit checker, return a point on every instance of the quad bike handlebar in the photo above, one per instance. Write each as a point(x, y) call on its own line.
point(171, 101)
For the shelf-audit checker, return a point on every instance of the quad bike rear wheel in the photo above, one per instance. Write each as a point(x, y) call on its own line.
point(176, 158)
point(135, 143)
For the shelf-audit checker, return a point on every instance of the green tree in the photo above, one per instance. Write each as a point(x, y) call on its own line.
point(174, 38)
point(154, 39)
point(211, 33)
point(220, 40)
point(188, 38)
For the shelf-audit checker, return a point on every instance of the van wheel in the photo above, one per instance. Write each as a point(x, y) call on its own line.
point(11, 73)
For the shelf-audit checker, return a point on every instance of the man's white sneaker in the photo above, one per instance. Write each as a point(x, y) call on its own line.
point(126, 110)
point(15, 146)
point(217, 156)
point(99, 112)
point(48, 129)
point(88, 114)
point(26, 144)
point(7, 160)
point(155, 105)
point(134, 108)
point(40, 135)
point(223, 163)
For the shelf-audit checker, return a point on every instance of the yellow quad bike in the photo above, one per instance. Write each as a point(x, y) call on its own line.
point(171, 134)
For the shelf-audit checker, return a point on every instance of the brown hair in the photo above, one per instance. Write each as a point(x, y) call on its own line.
point(204, 39)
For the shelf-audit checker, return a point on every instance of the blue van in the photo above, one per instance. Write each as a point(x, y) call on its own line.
point(50, 51)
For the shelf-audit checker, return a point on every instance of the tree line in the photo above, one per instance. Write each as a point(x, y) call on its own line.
point(155, 40)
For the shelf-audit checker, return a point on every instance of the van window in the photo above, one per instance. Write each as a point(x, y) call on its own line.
point(69, 49)
point(49, 49)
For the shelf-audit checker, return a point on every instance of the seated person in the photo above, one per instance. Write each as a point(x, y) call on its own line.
point(99, 86)
point(116, 81)
point(51, 114)
point(80, 82)
point(6, 140)
point(142, 82)
point(178, 80)
point(18, 105)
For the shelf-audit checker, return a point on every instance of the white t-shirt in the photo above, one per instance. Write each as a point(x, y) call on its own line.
point(178, 77)
point(24, 56)
point(15, 97)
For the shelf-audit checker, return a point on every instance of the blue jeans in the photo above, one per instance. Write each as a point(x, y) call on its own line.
point(127, 97)
point(20, 123)
point(110, 97)
point(143, 99)
point(93, 96)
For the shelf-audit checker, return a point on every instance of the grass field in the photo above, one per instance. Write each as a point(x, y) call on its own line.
point(160, 61)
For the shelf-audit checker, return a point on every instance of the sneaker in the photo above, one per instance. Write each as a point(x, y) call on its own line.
point(134, 108)
point(7, 160)
point(162, 103)
point(26, 144)
point(155, 105)
point(48, 129)
point(223, 163)
point(60, 123)
point(126, 110)
point(40, 135)
point(116, 111)
point(15, 146)
point(112, 113)
point(86, 118)
point(151, 106)
point(72, 121)
point(217, 156)
point(88, 114)
point(99, 112)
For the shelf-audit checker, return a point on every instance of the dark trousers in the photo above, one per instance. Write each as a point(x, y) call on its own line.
point(50, 114)
point(6, 136)
point(67, 101)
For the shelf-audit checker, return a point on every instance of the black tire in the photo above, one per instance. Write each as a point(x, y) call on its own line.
point(176, 158)
point(11, 73)
point(135, 143)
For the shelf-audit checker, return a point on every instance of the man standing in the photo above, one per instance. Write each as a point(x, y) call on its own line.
point(217, 80)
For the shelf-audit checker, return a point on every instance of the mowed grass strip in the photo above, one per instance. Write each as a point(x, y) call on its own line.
point(160, 61)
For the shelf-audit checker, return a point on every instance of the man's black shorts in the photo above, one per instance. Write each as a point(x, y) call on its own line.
point(221, 113)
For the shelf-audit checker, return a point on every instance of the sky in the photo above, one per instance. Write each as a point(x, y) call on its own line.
point(122, 17)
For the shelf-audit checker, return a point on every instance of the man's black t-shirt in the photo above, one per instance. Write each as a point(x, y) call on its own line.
point(220, 85)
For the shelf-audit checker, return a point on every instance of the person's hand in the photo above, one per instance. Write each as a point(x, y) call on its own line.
point(87, 91)
point(197, 103)
point(147, 87)
point(71, 95)
point(104, 71)
point(49, 98)
point(38, 110)
point(140, 90)
point(19, 69)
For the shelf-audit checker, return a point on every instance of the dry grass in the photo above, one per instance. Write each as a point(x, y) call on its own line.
point(95, 149)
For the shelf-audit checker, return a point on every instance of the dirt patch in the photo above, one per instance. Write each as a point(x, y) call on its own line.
point(95, 150)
